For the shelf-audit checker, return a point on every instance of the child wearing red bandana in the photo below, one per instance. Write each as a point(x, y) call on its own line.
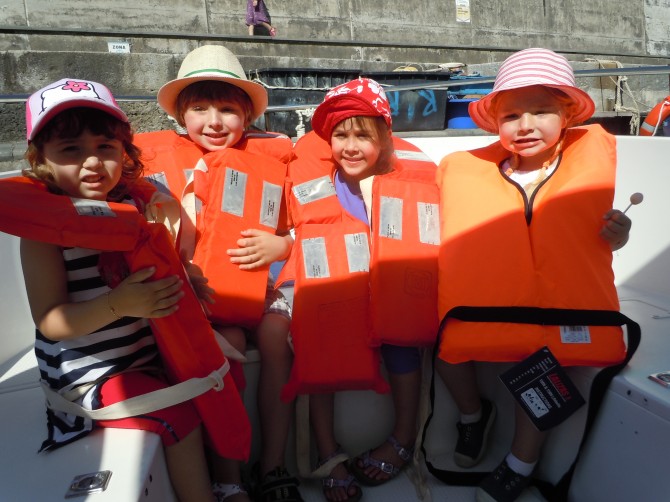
point(339, 178)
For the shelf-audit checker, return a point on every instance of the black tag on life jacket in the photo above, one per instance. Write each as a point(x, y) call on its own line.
point(542, 388)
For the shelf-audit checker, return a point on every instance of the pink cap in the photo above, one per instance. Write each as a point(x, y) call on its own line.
point(532, 67)
point(56, 97)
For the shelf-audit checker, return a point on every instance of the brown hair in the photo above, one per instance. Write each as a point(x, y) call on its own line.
point(212, 90)
point(377, 129)
point(70, 124)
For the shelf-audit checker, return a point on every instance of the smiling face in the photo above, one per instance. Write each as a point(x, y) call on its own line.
point(87, 166)
point(215, 114)
point(214, 125)
point(358, 148)
point(530, 122)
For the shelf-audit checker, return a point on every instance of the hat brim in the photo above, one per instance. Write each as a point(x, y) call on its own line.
point(96, 104)
point(480, 110)
point(167, 94)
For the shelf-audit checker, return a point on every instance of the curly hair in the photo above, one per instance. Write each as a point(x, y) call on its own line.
point(70, 124)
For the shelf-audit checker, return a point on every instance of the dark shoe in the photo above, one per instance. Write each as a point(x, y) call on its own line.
point(278, 486)
point(472, 438)
point(502, 485)
point(361, 463)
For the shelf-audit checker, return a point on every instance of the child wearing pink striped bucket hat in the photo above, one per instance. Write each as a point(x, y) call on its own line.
point(521, 224)
point(533, 67)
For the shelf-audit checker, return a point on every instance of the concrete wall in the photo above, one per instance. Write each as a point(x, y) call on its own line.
point(44, 40)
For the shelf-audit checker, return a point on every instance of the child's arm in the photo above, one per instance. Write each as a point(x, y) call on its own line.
point(258, 248)
point(59, 319)
point(616, 228)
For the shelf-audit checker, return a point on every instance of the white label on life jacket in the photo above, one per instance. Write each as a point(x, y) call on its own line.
point(390, 217)
point(88, 207)
point(312, 190)
point(429, 223)
point(575, 334)
point(270, 202)
point(232, 201)
point(410, 155)
point(315, 258)
point(358, 252)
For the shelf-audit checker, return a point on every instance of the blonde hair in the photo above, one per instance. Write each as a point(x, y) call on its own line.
point(70, 124)
point(212, 90)
point(378, 130)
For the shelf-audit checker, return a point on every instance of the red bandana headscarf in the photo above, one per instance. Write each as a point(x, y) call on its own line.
point(362, 97)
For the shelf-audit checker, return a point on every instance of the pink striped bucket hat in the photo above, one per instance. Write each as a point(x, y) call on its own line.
point(532, 67)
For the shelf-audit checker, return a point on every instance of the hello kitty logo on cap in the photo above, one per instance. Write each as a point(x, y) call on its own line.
point(45, 104)
point(528, 67)
point(359, 97)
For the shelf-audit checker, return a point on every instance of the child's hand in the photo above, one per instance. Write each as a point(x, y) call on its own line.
point(137, 296)
point(258, 248)
point(199, 284)
point(616, 228)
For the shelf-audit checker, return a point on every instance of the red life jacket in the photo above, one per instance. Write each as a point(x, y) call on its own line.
point(237, 190)
point(337, 262)
point(500, 250)
point(185, 338)
point(169, 157)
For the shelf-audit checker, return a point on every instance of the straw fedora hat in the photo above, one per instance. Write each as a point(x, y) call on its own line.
point(532, 67)
point(212, 62)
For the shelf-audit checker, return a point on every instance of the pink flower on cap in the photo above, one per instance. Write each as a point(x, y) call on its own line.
point(67, 93)
point(362, 97)
point(532, 67)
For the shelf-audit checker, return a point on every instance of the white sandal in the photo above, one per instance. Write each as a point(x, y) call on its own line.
point(223, 491)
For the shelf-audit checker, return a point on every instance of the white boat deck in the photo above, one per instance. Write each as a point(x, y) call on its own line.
point(623, 460)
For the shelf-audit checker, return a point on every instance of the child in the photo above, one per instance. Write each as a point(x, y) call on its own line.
point(212, 99)
point(80, 145)
point(521, 218)
point(342, 183)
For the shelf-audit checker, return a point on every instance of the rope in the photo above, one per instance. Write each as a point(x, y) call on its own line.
point(622, 87)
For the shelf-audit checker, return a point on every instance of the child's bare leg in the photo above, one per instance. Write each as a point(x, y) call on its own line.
point(405, 390)
point(274, 414)
point(251, 29)
point(187, 466)
point(528, 440)
point(461, 382)
point(322, 413)
point(228, 472)
point(224, 470)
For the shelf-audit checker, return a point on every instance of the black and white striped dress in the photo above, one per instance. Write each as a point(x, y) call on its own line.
point(65, 365)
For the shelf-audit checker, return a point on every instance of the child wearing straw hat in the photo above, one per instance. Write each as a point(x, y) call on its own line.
point(215, 103)
point(522, 225)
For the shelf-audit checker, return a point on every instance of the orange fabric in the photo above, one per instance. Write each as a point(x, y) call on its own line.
point(655, 117)
point(169, 157)
point(238, 190)
point(28, 210)
point(185, 339)
point(329, 309)
point(403, 272)
point(400, 276)
point(491, 255)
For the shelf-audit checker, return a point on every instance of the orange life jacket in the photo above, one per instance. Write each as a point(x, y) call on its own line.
point(169, 157)
point(237, 190)
point(185, 339)
point(499, 250)
point(354, 288)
